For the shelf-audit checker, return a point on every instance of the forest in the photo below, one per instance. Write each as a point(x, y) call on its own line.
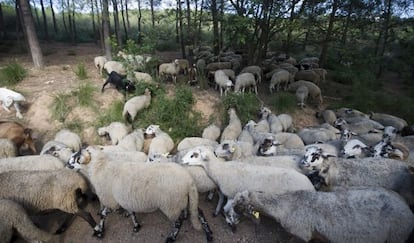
point(366, 45)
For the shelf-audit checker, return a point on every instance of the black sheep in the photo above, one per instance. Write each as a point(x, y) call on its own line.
point(119, 82)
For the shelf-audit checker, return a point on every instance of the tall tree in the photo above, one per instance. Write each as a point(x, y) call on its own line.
point(116, 23)
point(123, 19)
point(36, 13)
point(73, 8)
point(31, 36)
point(2, 27)
point(45, 28)
point(63, 17)
point(188, 15)
point(139, 22)
point(93, 20)
point(181, 28)
point(127, 15)
point(105, 27)
point(152, 13)
point(290, 25)
point(55, 28)
point(215, 17)
point(329, 33)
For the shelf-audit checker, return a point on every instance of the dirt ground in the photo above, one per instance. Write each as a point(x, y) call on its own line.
point(39, 88)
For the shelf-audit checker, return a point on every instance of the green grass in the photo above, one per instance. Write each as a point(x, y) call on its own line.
point(84, 94)
point(12, 74)
point(60, 106)
point(81, 72)
point(283, 103)
point(246, 105)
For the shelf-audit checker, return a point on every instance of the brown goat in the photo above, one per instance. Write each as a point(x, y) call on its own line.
point(18, 134)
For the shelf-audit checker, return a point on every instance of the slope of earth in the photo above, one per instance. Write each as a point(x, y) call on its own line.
point(41, 86)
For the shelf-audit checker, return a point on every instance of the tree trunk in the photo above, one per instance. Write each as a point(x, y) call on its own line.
point(127, 16)
point(75, 34)
point(70, 21)
point(325, 44)
point(139, 22)
point(216, 37)
point(2, 28)
point(44, 21)
point(55, 28)
point(152, 13)
point(37, 24)
point(63, 17)
point(33, 42)
point(93, 21)
point(384, 39)
point(180, 17)
point(189, 29)
point(290, 26)
point(123, 19)
point(19, 25)
point(200, 22)
point(106, 34)
point(346, 24)
point(116, 23)
point(101, 39)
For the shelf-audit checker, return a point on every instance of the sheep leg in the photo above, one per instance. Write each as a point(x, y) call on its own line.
point(205, 225)
point(68, 221)
point(97, 230)
point(17, 107)
point(103, 86)
point(219, 204)
point(137, 226)
point(100, 228)
point(232, 218)
point(210, 195)
point(176, 229)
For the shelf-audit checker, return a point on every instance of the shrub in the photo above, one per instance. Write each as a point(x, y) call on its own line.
point(246, 105)
point(83, 94)
point(60, 107)
point(81, 71)
point(12, 73)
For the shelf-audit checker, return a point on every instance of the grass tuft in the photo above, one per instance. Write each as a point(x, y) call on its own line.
point(81, 71)
point(12, 73)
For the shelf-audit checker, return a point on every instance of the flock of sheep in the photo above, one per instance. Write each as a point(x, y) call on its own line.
point(348, 179)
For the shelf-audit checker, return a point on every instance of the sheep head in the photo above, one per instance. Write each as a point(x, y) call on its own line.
point(314, 157)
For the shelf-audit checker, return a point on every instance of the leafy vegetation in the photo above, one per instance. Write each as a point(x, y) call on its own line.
point(246, 106)
point(81, 72)
point(12, 73)
point(60, 108)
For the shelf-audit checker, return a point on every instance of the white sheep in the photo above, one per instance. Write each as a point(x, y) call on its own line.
point(169, 188)
point(356, 215)
point(172, 69)
point(184, 65)
point(244, 80)
point(277, 123)
point(328, 116)
point(7, 148)
point(314, 90)
point(361, 126)
point(302, 93)
point(232, 177)
point(31, 162)
point(255, 70)
point(115, 130)
point(9, 97)
point(311, 135)
point(213, 66)
point(15, 218)
point(136, 104)
point(191, 142)
point(233, 128)
point(69, 138)
point(143, 77)
point(222, 81)
point(388, 173)
point(321, 72)
point(389, 120)
point(308, 75)
point(279, 78)
point(60, 189)
point(99, 62)
point(211, 132)
point(233, 150)
point(245, 136)
point(161, 144)
point(115, 66)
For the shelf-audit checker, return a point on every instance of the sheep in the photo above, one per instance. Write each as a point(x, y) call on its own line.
point(136, 104)
point(169, 188)
point(389, 120)
point(245, 136)
point(311, 135)
point(18, 134)
point(321, 72)
point(328, 116)
point(308, 75)
point(222, 81)
point(234, 127)
point(211, 132)
point(161, 144)
point(232, 150)
point(119, 82)
point(69, 138)
point(9, 97)
point(388, 173)
point(280, 161)
point(314, 90)
point(230, 73)
point(361, 127)
point(143, 77)
point(15, 218)
point(255, 70)
point(171, 69)
point(114, 66)
point(278, 123)
point(309, 60)
point(302, 93)
point(191, 142)
point(363, 214)
point(227, 176)
point(99, 62)
point(244, 80)
point(115, 130)
point(184, 66)
point(31, 162)
point(214, 66)
point(289, 141)
point(58, 189)
point(7, 148)
point(279, 78)
point(346, 113)
point(133, 141)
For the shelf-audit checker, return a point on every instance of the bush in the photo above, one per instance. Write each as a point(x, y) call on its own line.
point(60, 107)
point(246, 105)
point(12, 73)
point(83, 94)
point(81, 71)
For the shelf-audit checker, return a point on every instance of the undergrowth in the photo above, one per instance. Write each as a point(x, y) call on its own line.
point(12, 74)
